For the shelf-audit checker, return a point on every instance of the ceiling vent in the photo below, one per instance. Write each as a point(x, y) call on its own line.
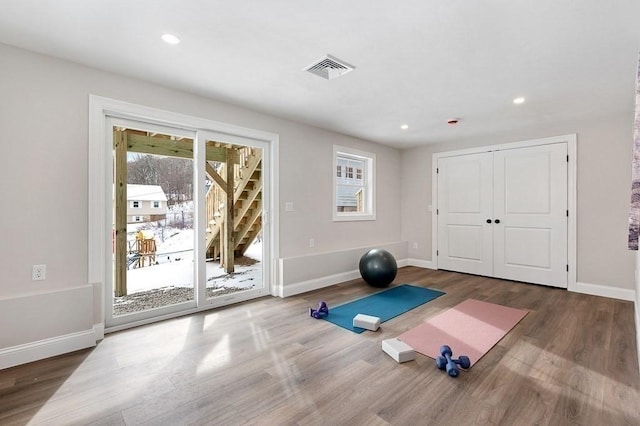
point(329, 67)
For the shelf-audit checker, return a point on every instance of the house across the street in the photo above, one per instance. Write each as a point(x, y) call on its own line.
point(146, 203)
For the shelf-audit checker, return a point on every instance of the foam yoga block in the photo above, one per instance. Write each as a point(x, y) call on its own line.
point(398, 350)
point(366, 321)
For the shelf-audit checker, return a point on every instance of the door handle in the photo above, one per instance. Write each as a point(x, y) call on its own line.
point(488, 220)
point(497, 221)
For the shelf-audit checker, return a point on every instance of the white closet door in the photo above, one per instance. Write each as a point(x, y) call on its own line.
point(464, 206)
point(530, 203)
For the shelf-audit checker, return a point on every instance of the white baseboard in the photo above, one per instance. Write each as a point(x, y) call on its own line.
point(322, 282)
point(46, 324)
point(299, 274)
point(46, 348)
point(317, 283)
point(427, 264)
point(606, 291)
point(402, 263)
point(637, 310)
point(98, 329)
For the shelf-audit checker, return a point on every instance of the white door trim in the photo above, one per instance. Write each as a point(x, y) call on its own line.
point(109, 320)
point(99, 187)
point(571, 140)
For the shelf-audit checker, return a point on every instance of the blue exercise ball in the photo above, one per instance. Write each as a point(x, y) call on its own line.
point(378, 267)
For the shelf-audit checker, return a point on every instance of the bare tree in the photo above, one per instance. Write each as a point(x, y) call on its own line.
point(174, 175)
point(143, 169)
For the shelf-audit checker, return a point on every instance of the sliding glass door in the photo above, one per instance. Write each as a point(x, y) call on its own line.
point(187, 221)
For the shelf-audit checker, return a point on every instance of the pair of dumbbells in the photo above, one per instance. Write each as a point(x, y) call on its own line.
point(446, 362)
point(321, 312)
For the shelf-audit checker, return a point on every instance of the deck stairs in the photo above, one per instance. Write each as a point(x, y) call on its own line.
point(247, 204)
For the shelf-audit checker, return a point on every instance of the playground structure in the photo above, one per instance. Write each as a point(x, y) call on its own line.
point(142, 250)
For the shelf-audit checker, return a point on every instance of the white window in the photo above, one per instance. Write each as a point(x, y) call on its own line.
point(155, 204)
point(354, 190)
point(135, 204)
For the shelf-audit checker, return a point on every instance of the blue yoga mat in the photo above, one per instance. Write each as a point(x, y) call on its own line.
point(385, 305)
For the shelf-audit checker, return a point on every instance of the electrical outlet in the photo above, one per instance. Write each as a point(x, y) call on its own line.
point(38, 272)
point(288, 206)
point(312, 242)
point(415, 245)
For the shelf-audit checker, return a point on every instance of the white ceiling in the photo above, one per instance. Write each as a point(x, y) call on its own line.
point(418, 62)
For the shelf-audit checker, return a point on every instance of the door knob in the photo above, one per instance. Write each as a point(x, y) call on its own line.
point(488, 220)
point(497, 221)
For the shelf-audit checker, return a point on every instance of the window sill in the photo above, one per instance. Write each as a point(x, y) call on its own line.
point(352, 218)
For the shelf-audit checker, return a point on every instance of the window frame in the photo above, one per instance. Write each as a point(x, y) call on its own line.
point(369, 184)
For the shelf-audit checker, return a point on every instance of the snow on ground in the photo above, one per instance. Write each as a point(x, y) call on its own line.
point(175, 266)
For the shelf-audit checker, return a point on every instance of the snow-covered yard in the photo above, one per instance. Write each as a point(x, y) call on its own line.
point(175, 267)
point(170, 279)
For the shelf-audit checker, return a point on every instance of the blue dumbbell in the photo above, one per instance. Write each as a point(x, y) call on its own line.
point(445, 362)
point(321, 312)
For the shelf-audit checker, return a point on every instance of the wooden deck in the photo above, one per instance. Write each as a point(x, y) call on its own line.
point(571, 360)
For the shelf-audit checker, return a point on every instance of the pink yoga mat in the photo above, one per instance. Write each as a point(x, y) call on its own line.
point(471, 328)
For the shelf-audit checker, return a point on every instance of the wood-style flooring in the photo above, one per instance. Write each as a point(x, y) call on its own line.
point(571, 360)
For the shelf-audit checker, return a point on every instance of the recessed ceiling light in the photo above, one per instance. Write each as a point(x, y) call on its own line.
point(518, 100)
point(170, 39)
point(404, 126)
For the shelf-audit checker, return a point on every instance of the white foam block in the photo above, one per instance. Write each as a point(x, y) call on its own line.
point(398, 350)
point(366, 321)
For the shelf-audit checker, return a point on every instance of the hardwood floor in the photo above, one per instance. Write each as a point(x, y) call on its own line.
point(571, 360)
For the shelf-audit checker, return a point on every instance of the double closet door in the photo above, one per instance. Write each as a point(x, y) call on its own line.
point(504, 214)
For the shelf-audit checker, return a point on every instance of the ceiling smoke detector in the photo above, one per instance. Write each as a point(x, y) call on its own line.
point(329, 67)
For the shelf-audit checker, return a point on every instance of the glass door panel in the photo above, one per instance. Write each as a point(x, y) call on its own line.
point(233, 229)
point(153, 218)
